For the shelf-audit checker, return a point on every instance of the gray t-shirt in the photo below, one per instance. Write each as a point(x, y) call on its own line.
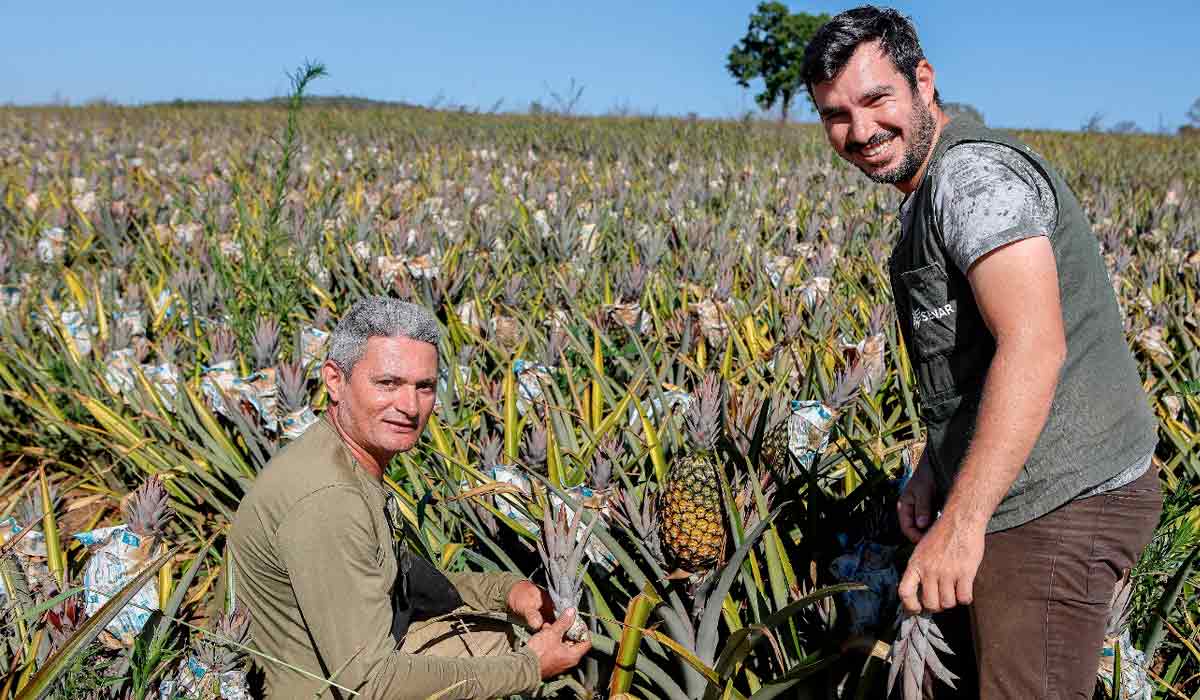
point(987, 195)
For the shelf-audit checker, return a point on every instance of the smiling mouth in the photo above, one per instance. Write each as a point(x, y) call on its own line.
point(873, 151)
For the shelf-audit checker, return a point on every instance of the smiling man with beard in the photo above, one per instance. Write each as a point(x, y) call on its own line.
point(1035, 493)
point(319, 554)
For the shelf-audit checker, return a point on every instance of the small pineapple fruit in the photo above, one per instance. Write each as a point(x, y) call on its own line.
point(690, 518)
point(562, 548)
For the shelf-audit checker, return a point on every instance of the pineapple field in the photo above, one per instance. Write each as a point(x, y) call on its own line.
point(672, 388)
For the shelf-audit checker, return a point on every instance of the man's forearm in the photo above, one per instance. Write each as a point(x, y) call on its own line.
point(484, 591)
point(1017, 394)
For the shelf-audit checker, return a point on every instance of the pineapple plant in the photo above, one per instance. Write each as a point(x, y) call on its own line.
point(295, 414)
point(794, 444)
point(147, 510)
point(690, 519)
point(214, 670)
point(561, 548)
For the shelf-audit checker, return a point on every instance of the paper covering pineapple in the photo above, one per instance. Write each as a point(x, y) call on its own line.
point(214, 667)
point(120, 553)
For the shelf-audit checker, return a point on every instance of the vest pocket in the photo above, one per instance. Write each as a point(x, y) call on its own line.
point(933, 312)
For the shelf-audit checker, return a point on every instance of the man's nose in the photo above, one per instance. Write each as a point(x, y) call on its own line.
point(405, 400)
point(861, 128)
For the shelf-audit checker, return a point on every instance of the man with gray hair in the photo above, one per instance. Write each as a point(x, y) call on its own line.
point(320, 563)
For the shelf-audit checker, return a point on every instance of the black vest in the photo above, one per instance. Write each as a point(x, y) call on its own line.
point(1100, 422)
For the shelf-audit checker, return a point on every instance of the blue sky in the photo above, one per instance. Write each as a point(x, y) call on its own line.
point(1022, 63)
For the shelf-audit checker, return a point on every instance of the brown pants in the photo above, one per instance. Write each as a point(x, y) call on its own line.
point(458, 637)
point(1042, 596)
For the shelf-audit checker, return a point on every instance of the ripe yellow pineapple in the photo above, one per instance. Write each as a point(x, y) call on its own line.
point(690, 519)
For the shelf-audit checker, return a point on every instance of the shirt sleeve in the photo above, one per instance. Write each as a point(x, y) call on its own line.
point(988, 195)
point(488, 592)
point(331, 552)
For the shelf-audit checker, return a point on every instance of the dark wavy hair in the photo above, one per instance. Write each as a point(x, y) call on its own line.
point(831, 47)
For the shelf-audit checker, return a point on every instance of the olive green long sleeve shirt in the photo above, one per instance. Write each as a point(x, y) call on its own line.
point(312, 550)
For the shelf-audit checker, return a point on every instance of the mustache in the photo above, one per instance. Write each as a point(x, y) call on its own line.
point(875, 140)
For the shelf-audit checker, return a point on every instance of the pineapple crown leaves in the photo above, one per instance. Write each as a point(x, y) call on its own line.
point(848, 384)
point(604, 458)
point(641, 519)
point(223, 344)
point(555, 344)
point(631, 283)
point(266, 342)
point(704, 415)
point(1120, 606)
point(512, 290)
point(562, 548)
point(489, 451)
point(221, 650)
point(147, 509)
point(534, 448)
point(915, 650)
point(724, 287)
point(878, 316)
point(293, 385)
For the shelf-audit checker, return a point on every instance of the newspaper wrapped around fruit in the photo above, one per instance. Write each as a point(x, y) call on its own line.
point(781, 270)
point(712, 320)
point(214, 667)
point(218, 379)
point(259, 390)
point(628, 316)
point(132, 320)
point(10, 296)
point(581, 495)
point(313, 345)
point(294, 423)
point(74, 327)
point(51, 245)
point(118, 371)
point(530, 376)
point(118, 558)
point(870, 564)
point(677, 402)
point(165, 379)
point(808, 430)
point(1135, 685)
point(30, 552)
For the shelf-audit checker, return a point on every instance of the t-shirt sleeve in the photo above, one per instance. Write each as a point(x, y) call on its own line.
point(987, 195)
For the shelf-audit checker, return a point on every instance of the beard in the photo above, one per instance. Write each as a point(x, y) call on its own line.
point(921, 127)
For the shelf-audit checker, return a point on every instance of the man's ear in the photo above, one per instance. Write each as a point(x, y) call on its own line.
point(335, 381)
point(925, 82)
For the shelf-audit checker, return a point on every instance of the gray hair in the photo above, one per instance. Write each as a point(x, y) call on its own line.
point(378, 316)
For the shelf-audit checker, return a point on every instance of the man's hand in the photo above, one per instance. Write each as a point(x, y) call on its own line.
point(531, 604)
point(554, 653)
point(943, 566)
point(916, 503)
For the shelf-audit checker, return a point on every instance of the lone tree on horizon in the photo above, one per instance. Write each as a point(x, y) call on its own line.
point(773, 49)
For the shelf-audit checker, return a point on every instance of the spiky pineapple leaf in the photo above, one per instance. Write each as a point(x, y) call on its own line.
point(915, 651)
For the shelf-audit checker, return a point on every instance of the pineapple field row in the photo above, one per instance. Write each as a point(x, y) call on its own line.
point(671, 381)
